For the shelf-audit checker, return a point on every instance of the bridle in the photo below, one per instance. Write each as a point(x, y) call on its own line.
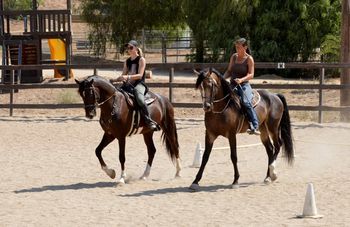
point(212, 101)
point(92, 91)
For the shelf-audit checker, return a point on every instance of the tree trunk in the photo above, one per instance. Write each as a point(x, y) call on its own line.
point(345, 58)
point(199, 50)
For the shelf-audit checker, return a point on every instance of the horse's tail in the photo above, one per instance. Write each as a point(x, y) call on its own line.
point(169, 134)
point(286, 131)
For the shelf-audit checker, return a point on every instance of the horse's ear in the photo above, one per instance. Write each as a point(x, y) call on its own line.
point(77, 81)
point(91, 82)
point(210, 70)
point(196, 72)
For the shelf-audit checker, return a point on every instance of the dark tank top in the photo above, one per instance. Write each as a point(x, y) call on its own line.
point(239, 69)
point(133, 68)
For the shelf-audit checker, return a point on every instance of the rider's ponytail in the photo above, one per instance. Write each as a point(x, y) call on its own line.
point(139, 52)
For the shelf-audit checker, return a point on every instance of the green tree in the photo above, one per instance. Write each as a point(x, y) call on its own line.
point(292, 30)
point(278, 30)
point(198, 15)
point(117, 21)
point(230, 20)
point(19, 4)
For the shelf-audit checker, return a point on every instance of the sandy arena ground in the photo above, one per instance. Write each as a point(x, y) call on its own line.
point(51, 177)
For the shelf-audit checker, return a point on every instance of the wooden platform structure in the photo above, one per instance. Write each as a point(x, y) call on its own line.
point(26, 48)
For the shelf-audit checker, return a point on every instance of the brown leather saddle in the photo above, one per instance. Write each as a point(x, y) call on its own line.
point(136, 114)
point(150, 97)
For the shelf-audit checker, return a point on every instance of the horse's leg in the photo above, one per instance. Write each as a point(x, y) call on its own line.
point(106, 139)
point(151, 150)
point(178, 167)
point(233, 148)
point(265, 139)
point(277, 146)
point(122, 159)
point(209, 140)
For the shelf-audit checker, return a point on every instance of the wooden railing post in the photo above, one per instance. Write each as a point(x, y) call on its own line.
point(320, 96)
point(171, 80)
point(12, 78)
point(164, 60)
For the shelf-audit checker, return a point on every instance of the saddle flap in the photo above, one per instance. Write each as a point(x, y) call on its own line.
point(256, 98)
point(130, 98)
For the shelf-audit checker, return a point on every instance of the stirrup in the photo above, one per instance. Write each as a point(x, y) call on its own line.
point(152, 125)
point(253, 131)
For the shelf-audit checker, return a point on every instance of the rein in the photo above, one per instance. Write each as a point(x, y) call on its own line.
point(101, 103)
point(219, 112)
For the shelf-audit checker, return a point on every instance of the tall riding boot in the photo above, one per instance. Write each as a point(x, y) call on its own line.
point(148, 121)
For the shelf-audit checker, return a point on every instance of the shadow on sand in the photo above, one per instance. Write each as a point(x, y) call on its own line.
point(165, 191)
point(76, 186)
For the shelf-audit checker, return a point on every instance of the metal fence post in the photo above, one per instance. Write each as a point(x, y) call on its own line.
point(171, 80)
point(320, 96)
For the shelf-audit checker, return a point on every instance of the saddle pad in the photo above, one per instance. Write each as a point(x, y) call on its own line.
point(256, 98)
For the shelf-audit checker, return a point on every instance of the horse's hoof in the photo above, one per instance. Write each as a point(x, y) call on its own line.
point(177, 175)
point(272, 173)
point(267, 180)
point(121, 181)
point(194, 187)
point(273, 177)
point(111, 173)
point(143, 178)
point(235, 186)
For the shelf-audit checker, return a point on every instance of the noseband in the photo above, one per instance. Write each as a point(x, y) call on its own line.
point(212, 101)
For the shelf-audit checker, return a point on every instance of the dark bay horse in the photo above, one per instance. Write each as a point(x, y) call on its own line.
point(119, 118)
point(223, 117)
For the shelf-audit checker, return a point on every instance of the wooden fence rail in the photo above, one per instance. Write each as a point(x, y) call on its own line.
point(171, 85)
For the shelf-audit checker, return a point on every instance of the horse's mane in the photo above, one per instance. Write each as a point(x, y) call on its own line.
point(225, 85)
point(200, 78)
point(98, 79)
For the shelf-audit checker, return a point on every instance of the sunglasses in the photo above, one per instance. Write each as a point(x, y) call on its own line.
point(130, 47)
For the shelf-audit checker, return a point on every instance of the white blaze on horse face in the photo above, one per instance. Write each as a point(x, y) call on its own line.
point(214, 81)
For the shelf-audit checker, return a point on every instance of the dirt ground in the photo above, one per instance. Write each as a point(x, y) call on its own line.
point(51, 177)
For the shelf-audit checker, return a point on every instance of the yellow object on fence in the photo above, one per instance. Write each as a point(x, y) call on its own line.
point(58, 54)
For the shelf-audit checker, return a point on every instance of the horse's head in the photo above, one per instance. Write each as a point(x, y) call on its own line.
point(209, 83)
point(89, 95)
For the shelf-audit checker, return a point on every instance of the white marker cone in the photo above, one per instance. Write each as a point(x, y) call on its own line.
point(197, 156)
point(310, 210)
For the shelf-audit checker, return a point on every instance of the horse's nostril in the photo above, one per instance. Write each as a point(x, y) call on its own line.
point(206, 107)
